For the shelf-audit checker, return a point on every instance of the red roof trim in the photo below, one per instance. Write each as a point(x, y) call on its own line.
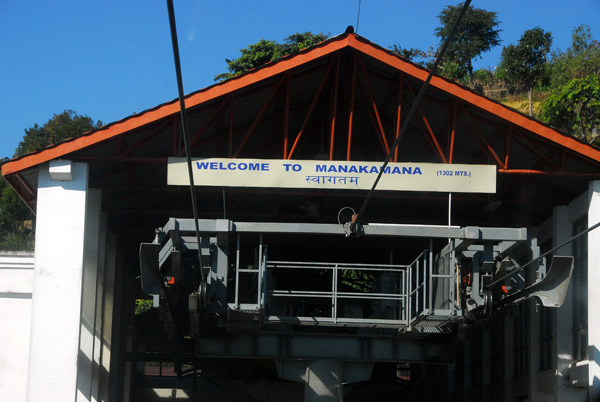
point(285, 64)
point(475, 99)
point(172, 108)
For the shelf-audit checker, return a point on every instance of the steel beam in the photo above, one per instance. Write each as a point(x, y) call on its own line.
point(374, 229)
point(259, 117)
point(351, 112)
point(312, 106)
point(326, 347)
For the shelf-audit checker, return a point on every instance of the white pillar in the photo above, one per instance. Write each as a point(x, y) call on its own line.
point(99, 321)
point(85, 363)
point(533, 327)
point(58, 274)
point(122, 331)
point(107, 316)
point(562, 230)
point(593, 294)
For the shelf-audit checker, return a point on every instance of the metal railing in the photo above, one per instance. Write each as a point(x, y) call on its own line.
point(419, 272)
point(346, 294)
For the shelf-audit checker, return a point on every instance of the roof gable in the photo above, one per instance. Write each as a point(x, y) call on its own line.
point(344, 99)
point(286, 64)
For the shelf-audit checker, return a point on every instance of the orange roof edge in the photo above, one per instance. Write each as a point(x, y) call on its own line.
point(285, 64)
point(475, 99)
point(171, 108)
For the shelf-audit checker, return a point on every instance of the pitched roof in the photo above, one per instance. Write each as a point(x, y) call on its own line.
point(342, 99)
point(287, 63)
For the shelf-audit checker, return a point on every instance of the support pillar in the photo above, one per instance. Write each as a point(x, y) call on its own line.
point(533, 324)
point(593, 261)
point(57, 283)
point(99, 316)
point(562, 230)
point(107, 317)
point(119, 386)
point(323, 381)
point(87, 370)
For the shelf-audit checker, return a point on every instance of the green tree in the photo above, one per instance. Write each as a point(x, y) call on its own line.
point(264, 51)
point(575, 108)
point(16, 220)
point(298, 41)
point(477, 33)
point(412, 54)
point(581, 59)
point(15, 233)
point(524, 64)
point(68, 124)
point(574, 101)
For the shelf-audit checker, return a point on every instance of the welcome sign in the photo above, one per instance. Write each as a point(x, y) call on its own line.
point(339, 175)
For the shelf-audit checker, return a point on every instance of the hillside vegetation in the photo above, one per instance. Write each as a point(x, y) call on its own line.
point(561, 88)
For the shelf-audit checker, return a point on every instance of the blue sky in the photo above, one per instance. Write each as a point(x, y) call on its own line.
point(108, 59)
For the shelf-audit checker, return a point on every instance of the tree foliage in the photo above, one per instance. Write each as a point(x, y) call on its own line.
point(524, 64)
point(575, 108)
point(477, 33)
point(581, 59)
point(264, 51)
point(16, 220)
point(412, 54)
point(574, 102)
point(68, 124)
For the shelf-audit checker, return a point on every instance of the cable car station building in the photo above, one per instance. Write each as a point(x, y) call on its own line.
point(278, 295)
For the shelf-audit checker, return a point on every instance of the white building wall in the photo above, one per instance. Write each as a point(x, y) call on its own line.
point(16, 282)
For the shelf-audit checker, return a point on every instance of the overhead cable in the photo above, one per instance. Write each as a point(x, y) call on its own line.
point(186, 140)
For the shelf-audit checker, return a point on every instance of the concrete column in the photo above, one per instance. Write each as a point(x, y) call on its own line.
point(122, 331)
point(593, 294)
point(57, 283)
point(562, 229)
point(118, 334)
point(323, 381)
point(486, 368)
point(107, 317)
point(533, 326)
point(99, 317)
point(91, 273)
point(509, 358)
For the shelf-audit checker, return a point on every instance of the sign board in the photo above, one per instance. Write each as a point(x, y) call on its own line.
point(337, 175)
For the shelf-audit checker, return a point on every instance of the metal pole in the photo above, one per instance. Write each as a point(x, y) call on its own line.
point(237, 273)
point(449, 209)
point(431, 276)
point(410, 295)
point(334, 293)
point(404, 302)
point(260, 274)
